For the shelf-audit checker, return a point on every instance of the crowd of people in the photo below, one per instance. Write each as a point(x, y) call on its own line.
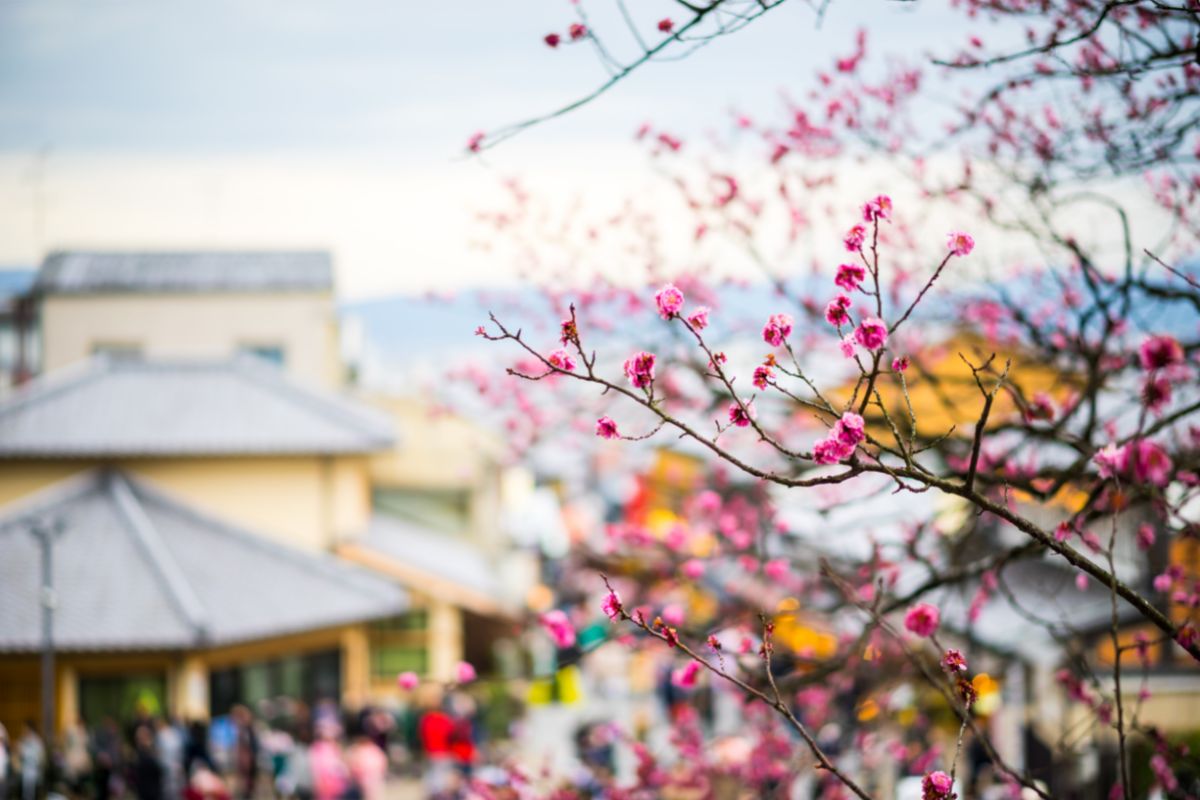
point(283, 749)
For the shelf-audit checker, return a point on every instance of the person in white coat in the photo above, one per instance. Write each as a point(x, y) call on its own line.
point(32, 753)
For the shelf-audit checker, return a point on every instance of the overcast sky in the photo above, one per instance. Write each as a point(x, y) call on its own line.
point(237, 123)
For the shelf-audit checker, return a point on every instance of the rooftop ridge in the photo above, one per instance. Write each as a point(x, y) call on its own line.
point(163, 563)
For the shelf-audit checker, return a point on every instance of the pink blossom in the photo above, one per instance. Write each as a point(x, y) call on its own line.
point(837, 312)
point(577, 31)
point(1162, 583)
point(855, 238)
point(1145, 536)
point(937, 786)
point(776, 569)
point(672, 614)
point(1146, 462)
point(561, 359)
point(953, 661)
point(475, 144)
point(1108, 461)
point(850, 429)
point(879, 208)
point(686, 676)
point(698, 319)
point(692, 568)
point(1156, 393)
point(607, 429)
point(830, 451)
point(871, 333)
point(612, 606)
point(1081, 581)
point(665, 25)
point(777, 329)
point(849, 276)
point(639, 368)
point(762, 376)
point(961, 244)
point(1063, 531)
point(559, 627)
point(407, 681)
point(922, 619)
point(1160, 352)
point(669, 300)
point(464, 672)
point(900, 364)
point(846, 345)
point(740, 414)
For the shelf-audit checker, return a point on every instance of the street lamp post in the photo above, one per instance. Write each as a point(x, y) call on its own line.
point(45, 531)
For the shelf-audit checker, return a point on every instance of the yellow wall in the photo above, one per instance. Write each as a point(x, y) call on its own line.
point(307, 501)
point(435, 450)
point(197, 326)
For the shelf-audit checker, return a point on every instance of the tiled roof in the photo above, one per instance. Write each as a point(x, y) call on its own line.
point(137, 570)
point(81, 272)
point(440, 564)
point(107, 408)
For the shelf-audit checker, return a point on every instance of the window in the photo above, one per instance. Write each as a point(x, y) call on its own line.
point(399, 644)
point(121, 697)
point(271, 353)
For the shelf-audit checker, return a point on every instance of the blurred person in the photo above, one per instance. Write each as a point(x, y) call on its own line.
point(205, 784)
point(463, 732)
point(77, 760)
point(169, 742)
point(5, 761)
point(330, 777)
point(196, 753)
point(106, 758)
point(434, 730)
point(296, 779)
point(32, 752)
point(245, 751)
point(148, 773)
point(367, 763)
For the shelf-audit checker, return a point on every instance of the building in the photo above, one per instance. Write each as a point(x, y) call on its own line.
point(198, 397)
point(278, 306)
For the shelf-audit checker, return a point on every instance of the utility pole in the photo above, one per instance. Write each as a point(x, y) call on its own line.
point(45, 531)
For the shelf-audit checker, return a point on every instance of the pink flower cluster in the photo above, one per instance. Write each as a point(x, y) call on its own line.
point(1160, 352)
point(777, 329)
point(639, 368)
point(937, 786)
point(559, 627)
point(855, 238)
point(1141, 461)
point(607, 429)
point(669, 300)
point(698, 319)
point(612, 606)
point(838, 311)
point(877, 209)
point(561, 359)
point(961, 244)
point(686, 676)
point(740, 414)
point(872, 333)
point(849, 276)
point(846, 435)
point(922, 619)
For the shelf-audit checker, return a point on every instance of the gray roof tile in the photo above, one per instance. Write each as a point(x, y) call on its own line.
point(82, 272)
point(137, 570)
point(108, 408)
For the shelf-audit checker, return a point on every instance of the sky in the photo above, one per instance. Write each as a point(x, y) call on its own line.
point(135, 124)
